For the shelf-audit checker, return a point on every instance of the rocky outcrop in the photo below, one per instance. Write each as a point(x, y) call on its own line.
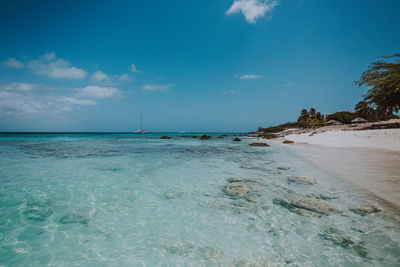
point(259, 144)
point(288, 142)
point(301, 180)
point(237, 139)
point(165, 137)
point(205, 137)
point(364, 210)
point(242, 188)
point(307, 206)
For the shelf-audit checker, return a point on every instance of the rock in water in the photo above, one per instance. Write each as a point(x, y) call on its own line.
point(302, 180)
point(283, 168)
point(165, 137)
point(205, 137)
point(237, 189)
point(364, 210)
point(237, 139)
point(180, 249)
point(79, 216)
point(259, 144)
point(339, 238)
point(241, 188)
point(38, 209)
point(288, 142)
point(210, 255)
point(307, 206)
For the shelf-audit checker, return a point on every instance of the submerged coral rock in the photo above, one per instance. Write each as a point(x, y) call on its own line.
point(165, 137)
point(241, 188)
point(205, 137)
point(364, 210)
point(180, 249)
point(237, 189)
point(302, 180)
point(237, 139)
point(307, 206)
point(327, 197)
point(339, 238)
point(173, 194)
point(38, 209)
point(283, 168)
point(336, 237)
point(259, 144)
point(210, 254)
point(288, 142)
point(79, 216)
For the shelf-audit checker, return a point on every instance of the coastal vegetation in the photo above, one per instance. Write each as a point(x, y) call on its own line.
point(342, 116)
point(380, 102)
point(383, 77)
point(278, 128)
point(310, 119)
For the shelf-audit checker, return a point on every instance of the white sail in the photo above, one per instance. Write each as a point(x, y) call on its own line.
point(141, 126)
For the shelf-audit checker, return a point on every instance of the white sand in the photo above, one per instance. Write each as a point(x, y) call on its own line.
point(385, 139)
point(369, 159)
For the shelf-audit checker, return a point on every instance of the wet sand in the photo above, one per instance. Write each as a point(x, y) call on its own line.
point(373, 169)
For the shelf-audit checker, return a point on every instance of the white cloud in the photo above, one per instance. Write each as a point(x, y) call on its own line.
point(48, 65)
point(98, 91)
point(125, 77)
point(156, 87)
point(76, 101)
point(250, 76)
point(21, 100)
point(49, 56)
point(99, 76)
point(229, 92)
point(289, 84)
point(252, 9)
point(21, 87)
point(67, 108)
point(13, 63)
point(133, 68)
point(16, 99)
point(16, 104)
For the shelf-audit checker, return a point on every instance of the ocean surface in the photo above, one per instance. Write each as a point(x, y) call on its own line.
point(138, 200)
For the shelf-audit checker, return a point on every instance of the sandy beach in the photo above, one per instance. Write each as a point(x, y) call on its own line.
point(369, 159)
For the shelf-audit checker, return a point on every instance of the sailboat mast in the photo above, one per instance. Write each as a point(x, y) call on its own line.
point(141, 122)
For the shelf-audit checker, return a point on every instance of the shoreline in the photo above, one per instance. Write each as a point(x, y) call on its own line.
point(369, 159)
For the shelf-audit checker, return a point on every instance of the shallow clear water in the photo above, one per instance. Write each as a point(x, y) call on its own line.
point(129, 200)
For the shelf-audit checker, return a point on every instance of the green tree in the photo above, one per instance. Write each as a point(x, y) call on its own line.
point(302, 120)
point(364, 110)
point(313, 114)
point(383, 77)
point(310, 119)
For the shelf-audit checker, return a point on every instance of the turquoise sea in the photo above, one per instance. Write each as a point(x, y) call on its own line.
point(137, 200)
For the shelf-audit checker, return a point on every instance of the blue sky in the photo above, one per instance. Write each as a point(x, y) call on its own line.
point(226, 65)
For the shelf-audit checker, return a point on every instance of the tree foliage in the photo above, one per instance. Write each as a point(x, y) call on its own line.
point(383, 76)
point(342, 116)
point(310, 118)
point(364, 110)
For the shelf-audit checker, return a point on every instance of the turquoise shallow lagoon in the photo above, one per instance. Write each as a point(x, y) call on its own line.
point(137, 200)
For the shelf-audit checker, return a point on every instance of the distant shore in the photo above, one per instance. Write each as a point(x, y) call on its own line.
point(369, 159)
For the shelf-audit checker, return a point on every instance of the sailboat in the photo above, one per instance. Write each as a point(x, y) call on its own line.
point(141, 131)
